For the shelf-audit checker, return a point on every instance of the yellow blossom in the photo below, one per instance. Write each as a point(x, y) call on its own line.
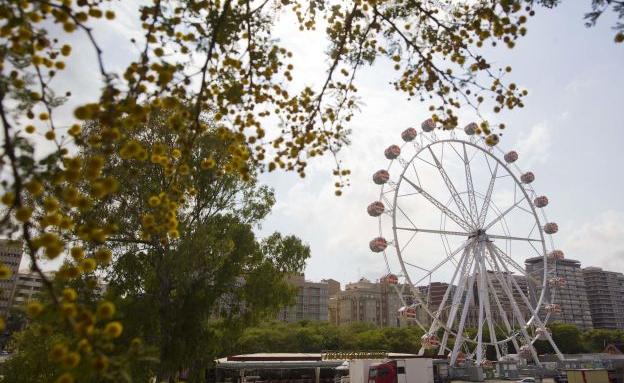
point(88, 265)
point(113, 329)
point(65, 378)
point(50, 204)
point(57, 352)
point(71, 360)
point(100, 363)
point(23, 213)
point(106, 310)
point(84, 346)
point(69, 310)
point(103, 255)
point(34, 187)
point(5, 272)
point(69, 294)
point(77, 253)
point(8, 198)
point(34, 308)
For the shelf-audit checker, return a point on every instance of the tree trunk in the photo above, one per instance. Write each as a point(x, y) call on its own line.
point(164, 368)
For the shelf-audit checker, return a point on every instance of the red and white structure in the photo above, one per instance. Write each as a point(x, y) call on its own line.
point(456, 211)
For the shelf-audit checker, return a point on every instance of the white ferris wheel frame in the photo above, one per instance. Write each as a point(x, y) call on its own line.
point(472, 262)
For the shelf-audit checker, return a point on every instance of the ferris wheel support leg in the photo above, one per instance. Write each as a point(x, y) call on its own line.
point(482, 297)
point(462, 321)
point(528, 304)
point(462, 265)
point(457, 298)
point(488, 312)
point(503, 314)
point(463, 262)
point(514, 306)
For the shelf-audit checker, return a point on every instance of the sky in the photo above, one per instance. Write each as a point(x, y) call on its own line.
point(569, 134)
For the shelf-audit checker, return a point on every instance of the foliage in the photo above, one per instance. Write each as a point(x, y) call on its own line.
point(216, 277)
point(32, 365)
point(220, 73)
point(597, 340)
point(321, 336)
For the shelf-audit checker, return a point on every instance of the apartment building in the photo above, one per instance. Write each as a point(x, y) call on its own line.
point(11, 255)
point(605, 293)
point(572, 297)
point(311, 303)
point(366, 301)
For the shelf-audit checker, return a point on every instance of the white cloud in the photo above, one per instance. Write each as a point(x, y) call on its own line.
point(534, 146)
point(599, 242)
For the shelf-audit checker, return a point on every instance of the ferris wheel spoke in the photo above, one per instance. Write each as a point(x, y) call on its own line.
point(464, 225)
point(417, 267)
point(442, 263)
point(445, 232)
point(514, 238)
point(405, 214)
point(488, 197)
point(507, 259)
point(449, 184)
point(503, 214)
point(469, 184)
point(504, 258)
point(461, 265)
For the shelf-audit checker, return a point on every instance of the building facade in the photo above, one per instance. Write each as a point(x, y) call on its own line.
point(572, 297)
point(366, 301)
point(605, 293)
point(432, 295)
point(26, 287)
point(500, 302)
point(10, 255)
point(311, 303)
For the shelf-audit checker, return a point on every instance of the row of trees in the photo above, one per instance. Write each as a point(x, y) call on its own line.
point(320, 336)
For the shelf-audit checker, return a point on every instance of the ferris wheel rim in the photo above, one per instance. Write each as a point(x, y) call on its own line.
point(527, 192)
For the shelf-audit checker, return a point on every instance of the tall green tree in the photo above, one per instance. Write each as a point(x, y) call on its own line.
point(567, 337)
point(213, 278)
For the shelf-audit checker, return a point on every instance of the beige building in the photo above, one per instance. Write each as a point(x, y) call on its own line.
point(311, 302)
point(27, 286)
point(333, 286)
point(365, 301)
point(10, 255)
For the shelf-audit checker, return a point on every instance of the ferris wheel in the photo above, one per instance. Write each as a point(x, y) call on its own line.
point(458, 219)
